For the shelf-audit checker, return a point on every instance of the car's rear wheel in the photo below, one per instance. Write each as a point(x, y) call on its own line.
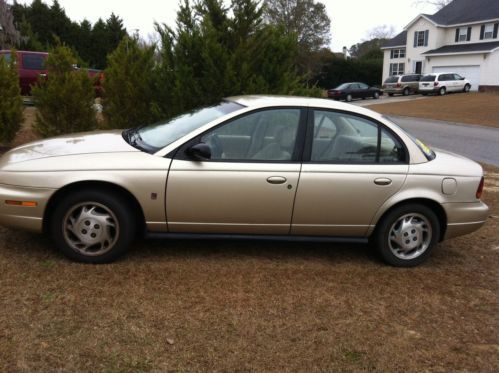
point(406, 92)
point(349, 98)
point(467, 88)
point(406, 235)
point(442, 91)
point(376, 95)
point(93, 226)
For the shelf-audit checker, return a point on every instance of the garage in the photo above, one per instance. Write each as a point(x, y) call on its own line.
point(472, 73)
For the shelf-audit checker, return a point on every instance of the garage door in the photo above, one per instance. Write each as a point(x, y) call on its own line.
point(472, 73)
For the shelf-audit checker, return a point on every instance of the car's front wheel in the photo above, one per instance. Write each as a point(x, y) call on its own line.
point(406, 236)
point(93, 226)
point(376, 95)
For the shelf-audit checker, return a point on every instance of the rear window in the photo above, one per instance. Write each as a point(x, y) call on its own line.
point(428, 78)
point(392, 79)
point(33, 62)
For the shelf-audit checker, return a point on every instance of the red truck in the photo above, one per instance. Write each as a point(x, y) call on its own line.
point(32, 67)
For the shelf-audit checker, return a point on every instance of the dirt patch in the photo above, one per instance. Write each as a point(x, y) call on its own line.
point(232, 305)
point(471, 108)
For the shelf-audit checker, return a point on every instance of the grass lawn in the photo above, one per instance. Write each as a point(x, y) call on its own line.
point(471, 108)
point(236, 305)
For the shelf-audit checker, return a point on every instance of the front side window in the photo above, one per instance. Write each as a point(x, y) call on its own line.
point(33, 62)
point(345, 138)
point(268, 135)
point(397, 69)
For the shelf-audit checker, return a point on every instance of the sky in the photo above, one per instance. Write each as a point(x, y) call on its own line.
point(351, 20)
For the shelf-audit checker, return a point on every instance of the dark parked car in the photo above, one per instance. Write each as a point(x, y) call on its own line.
point(349, 91)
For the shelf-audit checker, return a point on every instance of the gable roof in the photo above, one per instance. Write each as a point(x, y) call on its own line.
point(466, 11)
point(464, 48)
point(397, 41)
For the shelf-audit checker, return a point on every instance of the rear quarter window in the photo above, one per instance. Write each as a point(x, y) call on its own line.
point(33, 62)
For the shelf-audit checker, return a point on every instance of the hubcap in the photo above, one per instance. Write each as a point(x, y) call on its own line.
point(90, 228)
point(410, 236)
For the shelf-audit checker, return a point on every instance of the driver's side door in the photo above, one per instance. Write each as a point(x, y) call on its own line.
point(247, 185)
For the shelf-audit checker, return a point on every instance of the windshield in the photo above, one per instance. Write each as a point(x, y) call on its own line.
point(428, 78)
point(343, 86)
point(427, 151)
point(158, 135)
point(392, 79)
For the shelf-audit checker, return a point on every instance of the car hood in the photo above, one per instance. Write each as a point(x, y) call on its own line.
point(80, 143)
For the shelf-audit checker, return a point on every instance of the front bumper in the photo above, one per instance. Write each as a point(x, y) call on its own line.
point(28, 218)
point(464, 218)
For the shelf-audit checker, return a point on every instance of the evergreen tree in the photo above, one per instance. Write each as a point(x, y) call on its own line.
point(129, 95)
point(11, 105)
point(65, 100)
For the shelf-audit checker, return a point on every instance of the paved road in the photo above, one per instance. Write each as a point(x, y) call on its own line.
point(385, 99)
point(476, 142)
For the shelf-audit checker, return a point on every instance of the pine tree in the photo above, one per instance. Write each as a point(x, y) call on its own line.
point(11, 105)
point(128, 88)
point(65, 99)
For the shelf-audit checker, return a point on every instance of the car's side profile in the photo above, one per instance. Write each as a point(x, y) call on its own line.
point(351, 91)
point(402, 84)
point(442, 83)
point(249, 167)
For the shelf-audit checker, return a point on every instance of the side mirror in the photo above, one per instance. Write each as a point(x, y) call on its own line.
point(199, 152)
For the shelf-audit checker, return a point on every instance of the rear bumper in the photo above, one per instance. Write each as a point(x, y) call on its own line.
point(464, 218)
point(431, 89)
point(28, 218)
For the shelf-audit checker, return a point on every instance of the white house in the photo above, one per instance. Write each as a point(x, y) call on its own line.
point(462, 37)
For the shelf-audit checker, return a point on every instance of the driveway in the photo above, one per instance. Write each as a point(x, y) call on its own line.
point(476, 142)
point(385, 99)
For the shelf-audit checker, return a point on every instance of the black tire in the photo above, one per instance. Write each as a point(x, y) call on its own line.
point(442, 91)
point(406, 92)
point(385, 246)
point(376, 95)
point(348, 98)
point(466, 88)
point(424, 94)
point(125, 224)
point(390, 94)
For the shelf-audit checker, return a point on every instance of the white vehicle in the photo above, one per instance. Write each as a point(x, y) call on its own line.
point(442, 83)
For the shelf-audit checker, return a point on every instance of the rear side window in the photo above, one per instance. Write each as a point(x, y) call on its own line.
point(33, 62)
point(343, 138)
point(428, 78)
point(392, 79)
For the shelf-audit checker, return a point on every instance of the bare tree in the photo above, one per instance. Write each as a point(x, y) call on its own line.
point(381, 32)
point(439, 4)
point(9, 36)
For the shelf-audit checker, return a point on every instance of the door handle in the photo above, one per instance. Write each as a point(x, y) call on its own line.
point(382, 181)
point(276, 180)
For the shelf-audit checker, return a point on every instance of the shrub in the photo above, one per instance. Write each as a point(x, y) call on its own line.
point(11, 104)
point(65, 99)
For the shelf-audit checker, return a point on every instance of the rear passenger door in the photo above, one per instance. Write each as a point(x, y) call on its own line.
point(351, 166)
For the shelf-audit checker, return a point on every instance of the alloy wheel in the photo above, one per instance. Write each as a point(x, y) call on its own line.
point(410, 236)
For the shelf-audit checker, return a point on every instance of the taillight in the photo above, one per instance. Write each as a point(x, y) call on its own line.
point(435, 84)
point(479, 191)
point(398, 85)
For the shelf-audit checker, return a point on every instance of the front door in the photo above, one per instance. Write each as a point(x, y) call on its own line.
point(418, 68)
point(249, 183)
point(355, 166)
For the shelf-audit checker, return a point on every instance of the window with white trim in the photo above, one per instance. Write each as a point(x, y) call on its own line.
point(463, 34)
point(488, 31)
point(397, 53)
point(421, 39)
point(397, 69)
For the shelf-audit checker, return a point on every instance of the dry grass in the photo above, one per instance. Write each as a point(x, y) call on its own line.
point(471, 108)
point(194, 305)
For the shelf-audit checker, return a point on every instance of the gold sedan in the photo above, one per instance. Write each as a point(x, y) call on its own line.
point(256, 167)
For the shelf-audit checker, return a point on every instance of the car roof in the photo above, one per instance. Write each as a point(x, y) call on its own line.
point(263, 101)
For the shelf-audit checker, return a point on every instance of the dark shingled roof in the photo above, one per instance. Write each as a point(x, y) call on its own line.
point(400, 39)
point(463, 48)
point(465, 11)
